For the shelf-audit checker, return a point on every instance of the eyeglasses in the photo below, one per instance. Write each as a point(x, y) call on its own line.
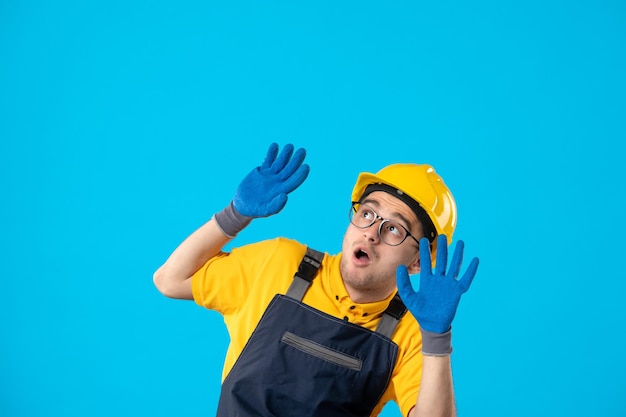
point(390, 231)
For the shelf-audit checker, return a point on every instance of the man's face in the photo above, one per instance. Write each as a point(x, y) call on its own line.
point(368, 265)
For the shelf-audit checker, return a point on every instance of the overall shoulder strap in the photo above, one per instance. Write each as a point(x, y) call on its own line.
point(392, 315)
point(306, 272)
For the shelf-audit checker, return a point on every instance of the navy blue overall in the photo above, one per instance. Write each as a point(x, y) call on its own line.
point(302, 362)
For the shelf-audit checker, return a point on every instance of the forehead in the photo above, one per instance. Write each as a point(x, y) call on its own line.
point(391, 207)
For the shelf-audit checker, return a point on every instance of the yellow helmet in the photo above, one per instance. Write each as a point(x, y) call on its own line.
point(424, 186)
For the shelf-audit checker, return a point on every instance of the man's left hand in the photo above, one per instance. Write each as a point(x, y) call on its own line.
point(435, 303)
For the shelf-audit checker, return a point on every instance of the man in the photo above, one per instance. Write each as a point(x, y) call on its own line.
point(320, 335)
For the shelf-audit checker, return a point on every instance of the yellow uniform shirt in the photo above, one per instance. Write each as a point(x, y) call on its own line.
point(240, 285)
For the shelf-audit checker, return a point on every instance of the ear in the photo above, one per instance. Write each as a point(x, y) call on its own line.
point(414, 266)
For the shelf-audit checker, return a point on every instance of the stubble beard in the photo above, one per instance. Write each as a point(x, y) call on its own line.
point(362, 280)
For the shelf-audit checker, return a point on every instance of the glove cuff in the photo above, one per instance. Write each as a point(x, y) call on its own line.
point(436, 344)
point(230, 221)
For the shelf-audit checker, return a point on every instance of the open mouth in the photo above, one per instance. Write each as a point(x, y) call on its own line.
point(361, 255)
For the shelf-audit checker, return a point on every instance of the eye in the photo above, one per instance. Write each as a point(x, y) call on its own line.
point(394, 228)
point(366, 213)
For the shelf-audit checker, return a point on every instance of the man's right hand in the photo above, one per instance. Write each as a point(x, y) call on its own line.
point(264, 190)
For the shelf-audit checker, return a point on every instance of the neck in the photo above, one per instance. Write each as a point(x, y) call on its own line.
point(367, 295)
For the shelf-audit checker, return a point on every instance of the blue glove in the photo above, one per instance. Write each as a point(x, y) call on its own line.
point(434, 304)
point(264, 190)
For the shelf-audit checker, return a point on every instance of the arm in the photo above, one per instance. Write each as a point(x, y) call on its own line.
point(263, 192)
point(173, 278)
point(434, 306)
point(436, 397)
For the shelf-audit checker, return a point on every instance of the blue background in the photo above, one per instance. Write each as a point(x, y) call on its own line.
point(125, 125)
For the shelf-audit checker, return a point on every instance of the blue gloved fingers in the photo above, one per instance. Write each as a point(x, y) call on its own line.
point(283, 158)
point(272, 151)
point(469, 275)
point(457, 260)
point(295, 180)
point(263, 192)
point(442, 255)
point(425, 259)
point(403, 282)
point(435, 302)
point(294, 163)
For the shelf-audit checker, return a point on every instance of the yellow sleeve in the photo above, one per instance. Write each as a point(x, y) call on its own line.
point(226, 280)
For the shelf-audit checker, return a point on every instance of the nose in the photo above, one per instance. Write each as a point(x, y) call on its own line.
point(372, 233)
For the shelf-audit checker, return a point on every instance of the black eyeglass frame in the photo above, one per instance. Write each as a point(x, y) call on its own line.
point(353, 211)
